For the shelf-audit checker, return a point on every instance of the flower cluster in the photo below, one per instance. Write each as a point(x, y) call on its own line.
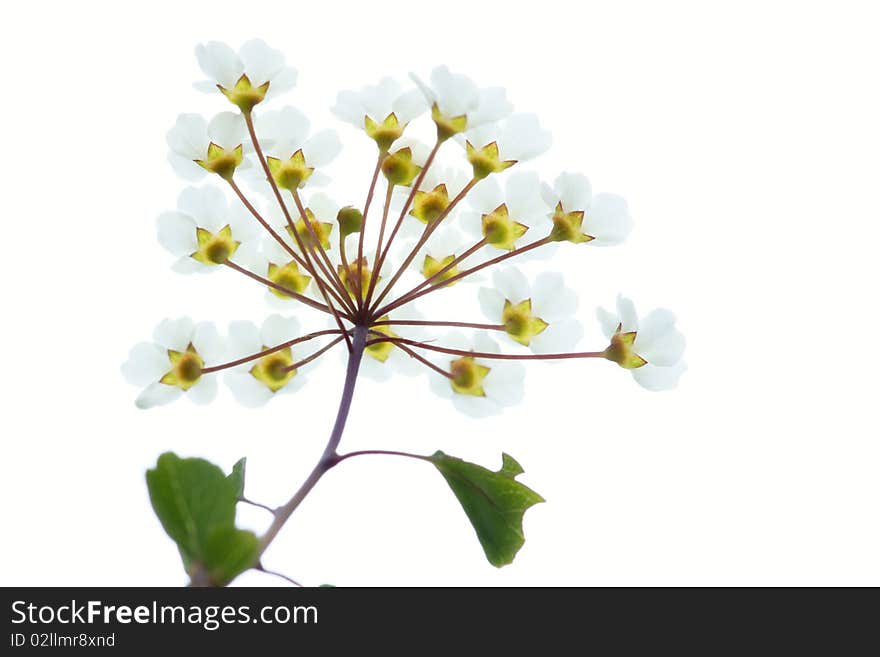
point(422, 228)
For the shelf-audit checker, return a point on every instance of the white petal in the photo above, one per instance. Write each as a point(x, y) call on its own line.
point(522, 138)
point(472, 224)
point(455, 94)
point(187, 265)
point(227, 130)
point(440, 384)
point(377, 98)
point(626, 313)
point(491, 303)
point(375, 370)
point(157, 394)
point(174, 334)
point(608, 220)
point(247, 255)
point(204, 391)
point(205, 86)
point(177, 233)
point(186, 168)
point(277, 330)
point(505, 382)
point(560, 337)
point(244, 340)
point(486, 195)
point(522, 194)
point(283, 131)
point(424, 88)
point(658, 378)
point(147, 363)
point(322, 148)
point(348, 108)
point(513, 284)
point(285, 80)
point(409, 105)
point(482, 342)
point(323, 207)
point(245, 227)
point(492, 105)
point(219, 62)
point(657, 341)
point(247, 390)
point(476, 407)
point(261, 63)
point(574, 191)
point(206, 205)
point(608, 321)
point(456, 340)
point(189, 136)
point(551, 299)
point(208, 343)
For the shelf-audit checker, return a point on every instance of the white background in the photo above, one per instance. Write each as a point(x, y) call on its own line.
point(744, 135)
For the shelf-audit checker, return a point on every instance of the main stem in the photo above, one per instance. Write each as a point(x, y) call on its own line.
point(329, 457)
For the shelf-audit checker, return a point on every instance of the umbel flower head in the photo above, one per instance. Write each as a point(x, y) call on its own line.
point(428, 221)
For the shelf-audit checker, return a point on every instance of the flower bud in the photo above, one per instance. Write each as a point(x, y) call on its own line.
point(350, 220)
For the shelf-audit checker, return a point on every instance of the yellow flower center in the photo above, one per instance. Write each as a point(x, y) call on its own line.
point(287, 276)
point(467, 376)
point(519, 323)
point(214, 248)
point(500, 230)
point(427, 206)
point(432, 266)
point(186, 368)
point(271, 370)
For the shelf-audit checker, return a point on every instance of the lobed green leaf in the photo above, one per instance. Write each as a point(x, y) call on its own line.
point(493, 501)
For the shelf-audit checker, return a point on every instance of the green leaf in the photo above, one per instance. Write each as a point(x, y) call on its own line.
point(228, 553)
point(237, 477)
point(195, 502)
point(493, 501)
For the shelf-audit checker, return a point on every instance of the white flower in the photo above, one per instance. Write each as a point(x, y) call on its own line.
point(455, 95)
point(257, 381)
point(418, 149)
point(321, 210)
point(284, 133)
point(651, 347)
point(539, 317)
point(602, 220)
point(479, 387)
point(517, 138)
point(445, 245)
point(274, 262)
point(263, 67)
point(371, 109)
point(502, 218)
point(172, 364)
point(438, 188)
point(206, 230)
point(199, 147)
